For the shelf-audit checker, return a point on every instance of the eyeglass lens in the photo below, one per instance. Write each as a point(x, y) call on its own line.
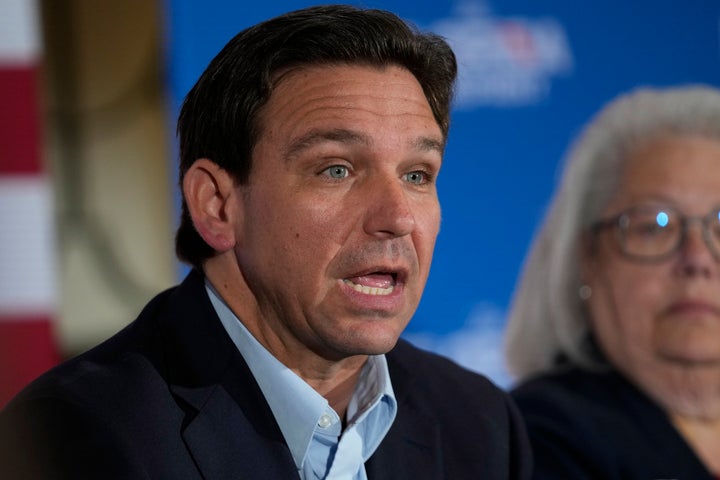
point(655, 232)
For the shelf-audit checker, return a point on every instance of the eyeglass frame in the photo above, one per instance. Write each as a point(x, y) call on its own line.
point(685, 220)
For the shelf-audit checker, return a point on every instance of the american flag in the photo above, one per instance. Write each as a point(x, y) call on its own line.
point(28, 292)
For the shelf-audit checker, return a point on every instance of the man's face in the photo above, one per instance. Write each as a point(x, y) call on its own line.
point(340, 213)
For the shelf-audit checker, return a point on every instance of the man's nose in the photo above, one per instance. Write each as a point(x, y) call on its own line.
point(389, 210)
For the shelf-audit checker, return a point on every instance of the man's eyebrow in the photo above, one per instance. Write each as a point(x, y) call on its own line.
point(314, 137)
point(341, 135)
point(427, 144)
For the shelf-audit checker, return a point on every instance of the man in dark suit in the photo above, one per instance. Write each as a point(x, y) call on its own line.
point(309, 152)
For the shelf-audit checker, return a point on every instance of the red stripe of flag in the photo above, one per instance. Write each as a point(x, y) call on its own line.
point(19, 121)
point(27, 349)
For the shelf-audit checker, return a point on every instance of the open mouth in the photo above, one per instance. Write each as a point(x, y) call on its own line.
point(375, 283)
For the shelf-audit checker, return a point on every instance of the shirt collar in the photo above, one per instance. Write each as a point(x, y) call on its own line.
point(373, 406)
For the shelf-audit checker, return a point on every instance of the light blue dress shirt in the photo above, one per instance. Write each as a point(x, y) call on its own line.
point(312, 429)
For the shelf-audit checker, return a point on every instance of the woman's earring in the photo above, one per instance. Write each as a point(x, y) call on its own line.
point(584, 292)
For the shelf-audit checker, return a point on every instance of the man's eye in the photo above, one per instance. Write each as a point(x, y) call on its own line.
point(417, 177)
point(336, 171)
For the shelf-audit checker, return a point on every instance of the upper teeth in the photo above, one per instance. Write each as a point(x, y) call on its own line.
point(370, 290)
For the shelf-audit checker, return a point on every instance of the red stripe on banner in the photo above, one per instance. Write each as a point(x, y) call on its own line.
point(27, 349)
point(19, 121)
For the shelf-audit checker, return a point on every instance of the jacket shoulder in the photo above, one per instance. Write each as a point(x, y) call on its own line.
point(473, 422)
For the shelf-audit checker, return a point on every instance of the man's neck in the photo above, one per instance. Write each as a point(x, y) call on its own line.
point(334, 379)
point(338, 386)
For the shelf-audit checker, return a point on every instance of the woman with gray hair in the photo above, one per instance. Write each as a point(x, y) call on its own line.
point(614, 331)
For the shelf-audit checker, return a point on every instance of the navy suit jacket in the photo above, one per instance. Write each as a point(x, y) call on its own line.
point(171, 397)
point(597, 425)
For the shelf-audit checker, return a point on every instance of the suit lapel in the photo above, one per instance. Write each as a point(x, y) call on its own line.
point(225, 443)
point(229, 428)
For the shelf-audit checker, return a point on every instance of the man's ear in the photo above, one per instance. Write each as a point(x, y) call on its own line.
point(210, 193)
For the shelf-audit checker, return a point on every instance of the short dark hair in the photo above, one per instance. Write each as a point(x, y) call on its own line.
point(219, 117)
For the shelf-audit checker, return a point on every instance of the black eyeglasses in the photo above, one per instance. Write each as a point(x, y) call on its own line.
point(654, 233)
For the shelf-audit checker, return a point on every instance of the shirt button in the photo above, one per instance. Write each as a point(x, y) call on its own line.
point(325, 420)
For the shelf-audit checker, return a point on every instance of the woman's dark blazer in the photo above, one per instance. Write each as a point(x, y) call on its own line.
point(591, 425)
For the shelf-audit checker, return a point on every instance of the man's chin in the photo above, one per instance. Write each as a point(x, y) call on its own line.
point(366, 347)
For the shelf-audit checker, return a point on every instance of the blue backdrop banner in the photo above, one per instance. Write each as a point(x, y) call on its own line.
point(531, 74)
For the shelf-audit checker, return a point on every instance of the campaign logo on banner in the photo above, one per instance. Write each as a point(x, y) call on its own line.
point(504, 61)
